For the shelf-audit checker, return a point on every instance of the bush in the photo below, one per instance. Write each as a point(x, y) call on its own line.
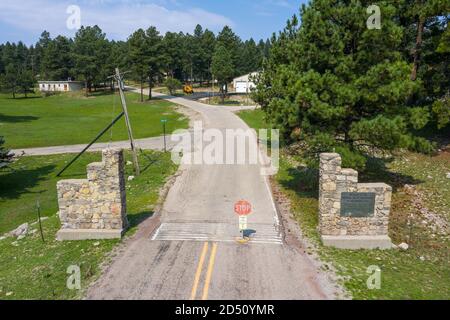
point(172, 85)
point(5, 155)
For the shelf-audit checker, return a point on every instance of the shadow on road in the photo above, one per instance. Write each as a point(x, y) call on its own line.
point(136, 219)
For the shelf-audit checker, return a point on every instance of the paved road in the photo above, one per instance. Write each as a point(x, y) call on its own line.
point(192, 253)
point(156, 143)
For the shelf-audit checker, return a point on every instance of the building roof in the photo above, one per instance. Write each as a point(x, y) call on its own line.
point(55, 82)
point(245, 77)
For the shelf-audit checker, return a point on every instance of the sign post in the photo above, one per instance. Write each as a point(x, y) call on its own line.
point(243, 209)
point(243, 222)
point(164, 122)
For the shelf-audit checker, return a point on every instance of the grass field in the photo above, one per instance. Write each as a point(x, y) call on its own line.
point(31, 269)
point(67, 119)
point(423, 271)
point(254, 118)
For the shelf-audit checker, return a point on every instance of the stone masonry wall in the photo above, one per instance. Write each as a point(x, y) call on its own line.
point(334, 180)
point(98, 202)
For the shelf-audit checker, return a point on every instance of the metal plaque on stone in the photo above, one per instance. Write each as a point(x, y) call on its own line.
point(357, 204)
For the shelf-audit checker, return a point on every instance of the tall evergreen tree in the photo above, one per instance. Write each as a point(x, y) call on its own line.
point(208, 42)
point(89, 54)
point(251, 57)
point(153, 60)
point(18, 76)
point(222, 68)
point(172, 54)
point(337, 84)
point(425, 24)
point(56, 59)
point(42, 44)
point(137, 54)
point(9, 81)
point(2, 63)
point(232, 43)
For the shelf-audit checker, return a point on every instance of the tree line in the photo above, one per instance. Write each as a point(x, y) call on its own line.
point(332, 83)
point(148, 55)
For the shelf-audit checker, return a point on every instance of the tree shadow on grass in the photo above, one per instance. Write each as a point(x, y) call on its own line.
point(16, 119)
point(377, 171)
point(304, 181)
point(23, 98)
point(101, 93)
point(15, 183)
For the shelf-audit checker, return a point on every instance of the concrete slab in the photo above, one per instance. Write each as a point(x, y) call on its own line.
point(357, 242)
point(88, 234)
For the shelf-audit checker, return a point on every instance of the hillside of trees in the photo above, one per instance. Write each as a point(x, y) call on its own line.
point(147, 54)
point(334, 84)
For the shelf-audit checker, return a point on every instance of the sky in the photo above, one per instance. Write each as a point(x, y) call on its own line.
point(24, 20)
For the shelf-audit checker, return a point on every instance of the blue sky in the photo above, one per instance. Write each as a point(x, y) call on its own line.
point(25, 19)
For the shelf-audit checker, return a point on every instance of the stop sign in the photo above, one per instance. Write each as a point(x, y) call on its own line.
point(243, 208)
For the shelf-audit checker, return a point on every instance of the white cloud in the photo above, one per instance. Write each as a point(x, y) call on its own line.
point(117, 18)
point(268, 8)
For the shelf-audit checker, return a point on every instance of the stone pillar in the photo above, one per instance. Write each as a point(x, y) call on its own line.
point(95, 208)
point(330, 168)
point(345, 231)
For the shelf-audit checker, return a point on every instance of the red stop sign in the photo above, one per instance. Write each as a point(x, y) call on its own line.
point(243, 208)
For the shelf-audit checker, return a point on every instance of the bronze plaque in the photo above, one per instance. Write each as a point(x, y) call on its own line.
point(358, 204)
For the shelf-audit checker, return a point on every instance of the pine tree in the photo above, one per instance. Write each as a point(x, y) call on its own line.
point(208, 42)
point(5, 155)
point(338, 85)
point(89, 54)
point(222, 68)
point(232, 43)
point(9, 80)
point(26, 82)
point(251, 57)
point(42, 44)
point(137, 55)
point(153, 59)
point(56, 59)
point(172, 54)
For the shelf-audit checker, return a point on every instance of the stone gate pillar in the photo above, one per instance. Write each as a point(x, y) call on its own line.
point(351, 215)
point(95, 208)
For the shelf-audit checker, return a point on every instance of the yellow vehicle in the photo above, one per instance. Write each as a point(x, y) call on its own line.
point(187, 89)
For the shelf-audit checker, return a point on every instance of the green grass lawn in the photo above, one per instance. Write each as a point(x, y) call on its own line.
point(31, 269)
point(423, 271)
point(71, 118)
point(164, 90)
point(254, 118)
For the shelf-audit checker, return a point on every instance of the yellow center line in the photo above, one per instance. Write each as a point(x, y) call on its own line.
point(199, 271)
point(212, 259)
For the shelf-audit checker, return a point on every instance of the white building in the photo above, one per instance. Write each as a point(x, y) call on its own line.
point(244, 84)
point(60, 86)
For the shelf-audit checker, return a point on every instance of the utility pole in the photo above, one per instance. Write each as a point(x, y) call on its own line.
point(213, 94)
point(119, 80)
